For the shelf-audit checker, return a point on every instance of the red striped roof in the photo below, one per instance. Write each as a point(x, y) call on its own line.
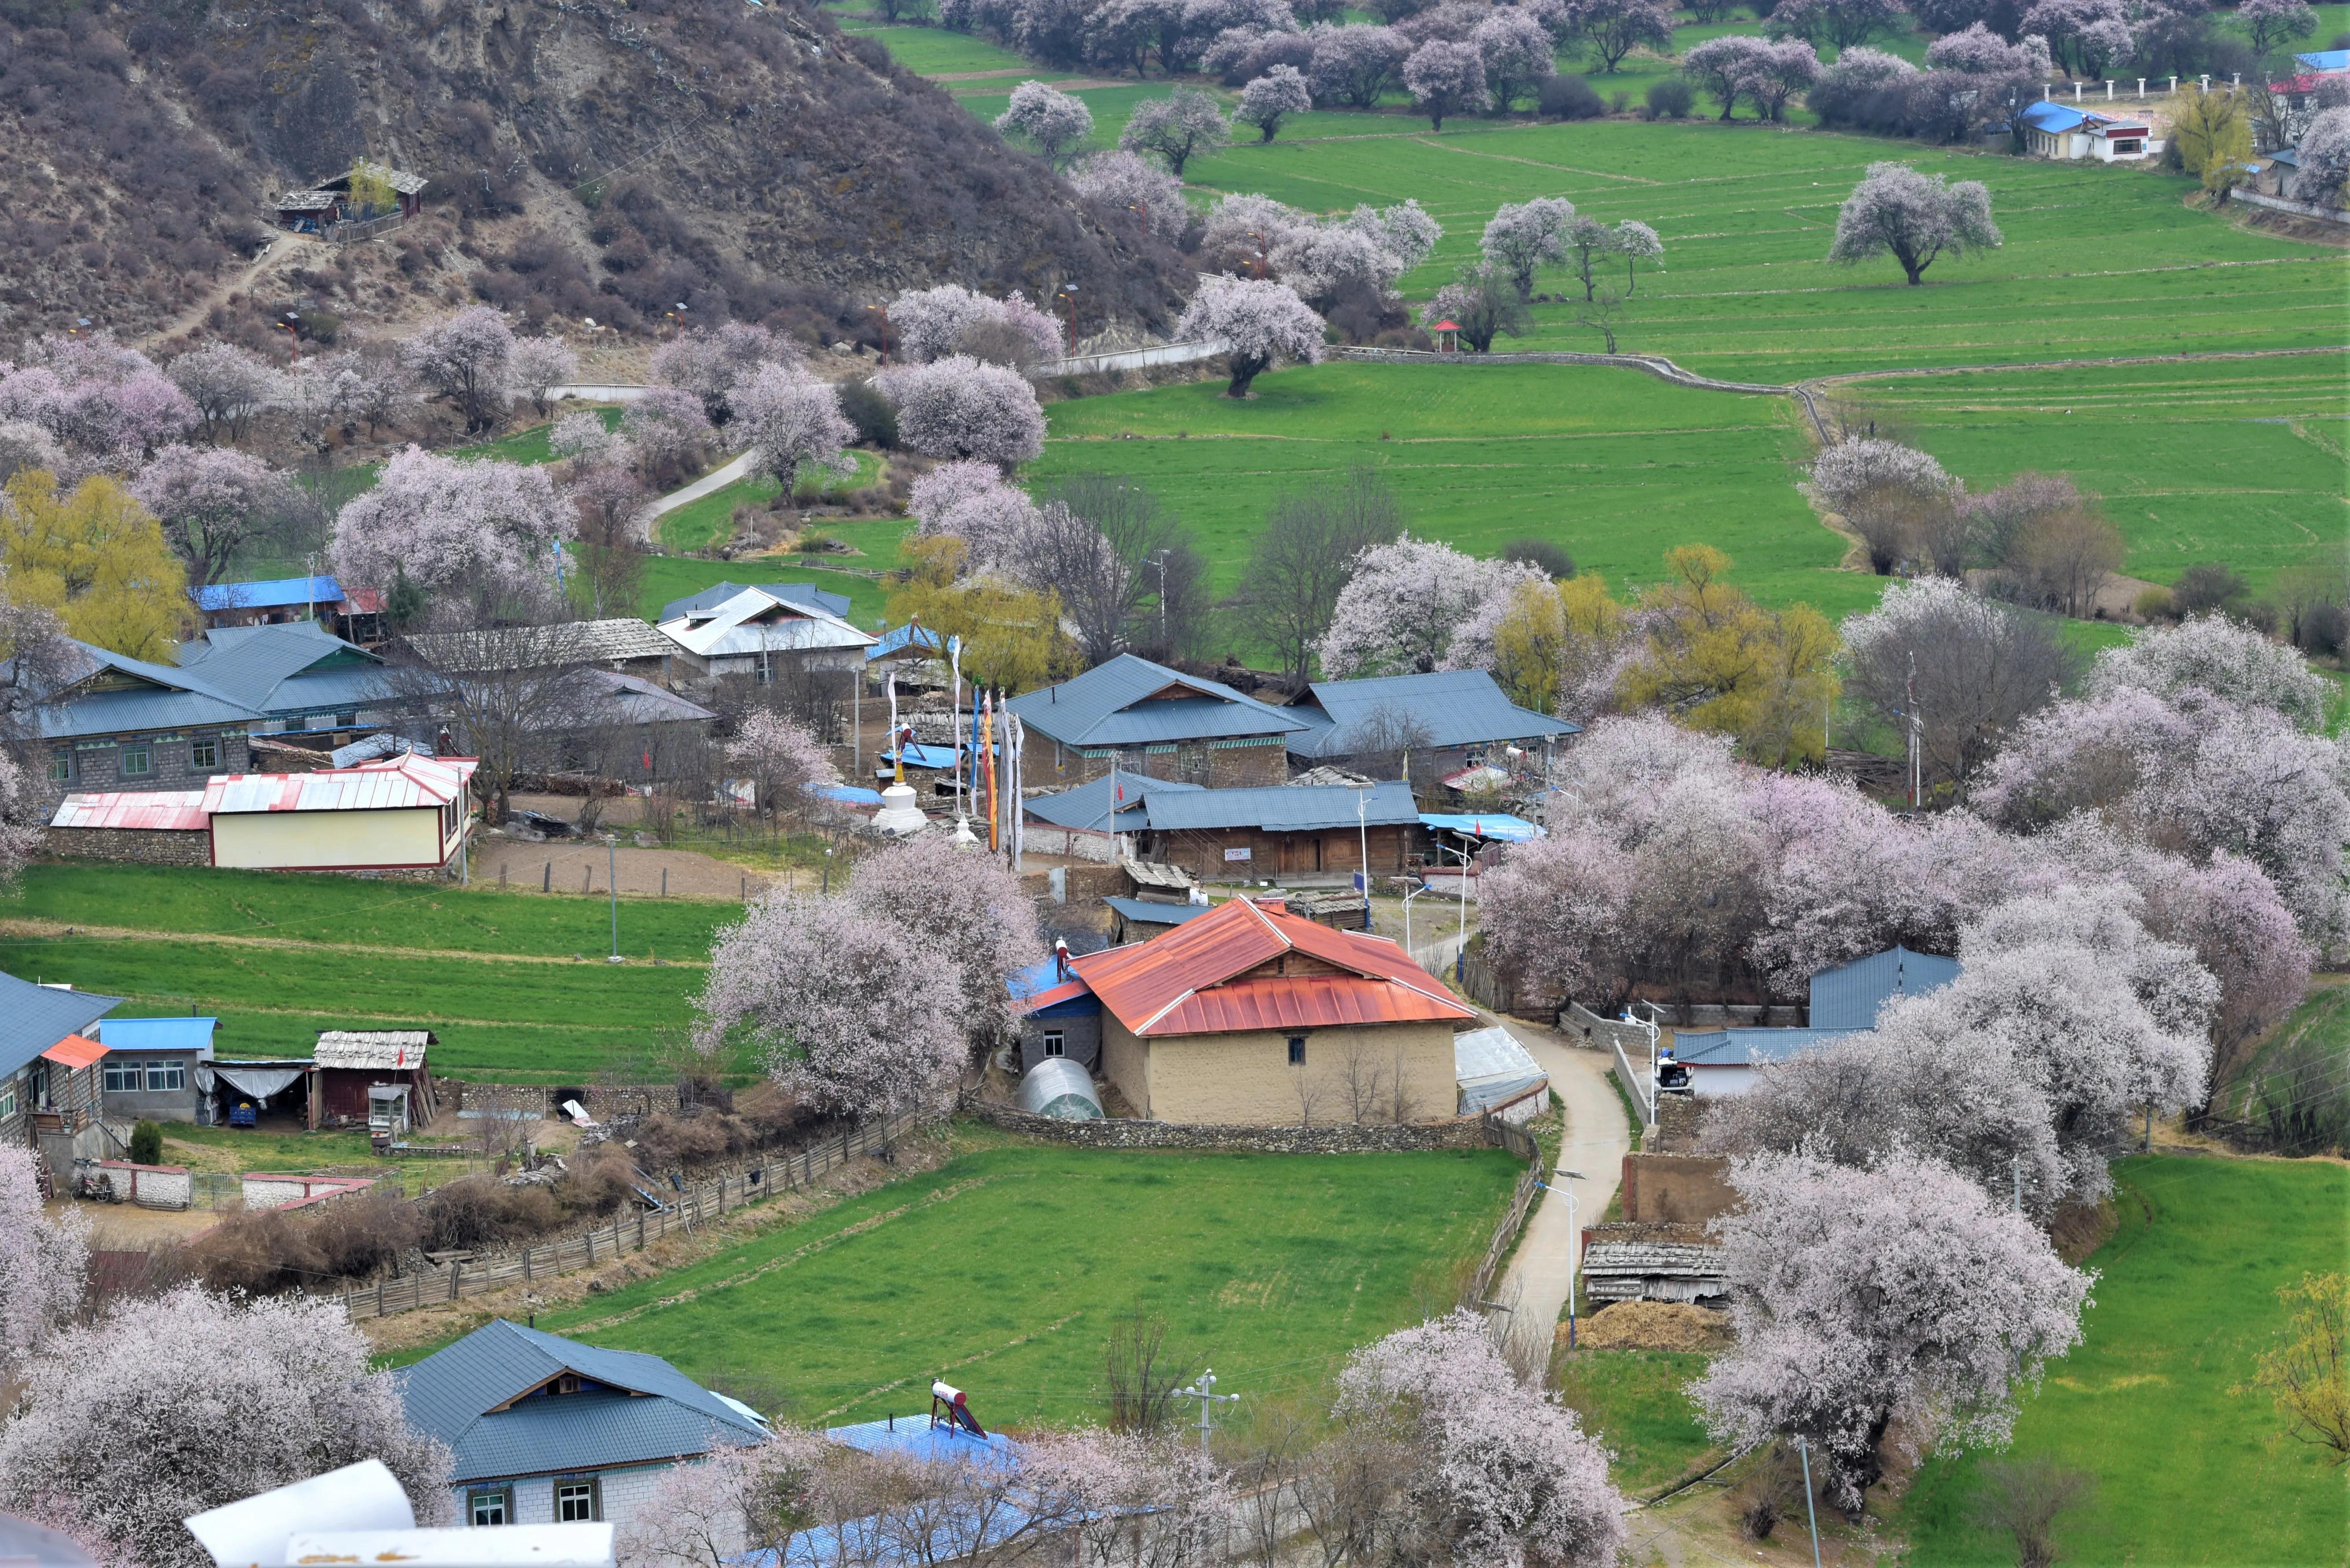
point(74, 1051)
point(148, 811)
point(1200, 979)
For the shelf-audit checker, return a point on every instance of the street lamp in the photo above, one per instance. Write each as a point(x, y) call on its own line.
point(1460, 954)
point(1159, 558)
point(1408, 898)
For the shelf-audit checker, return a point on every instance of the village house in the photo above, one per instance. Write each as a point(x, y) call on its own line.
point(1249, 1014)
point(546, 1430)
point(2070, 131)
point(1844, 1000)
point(328, 203)
point(156, 1068)
point(1446, 720)
point(50, 1095)
point(764, 637)
point(804, 593)
point(373, 1078)
point(1145, 720)
point(1304, 833)
point(355, 617)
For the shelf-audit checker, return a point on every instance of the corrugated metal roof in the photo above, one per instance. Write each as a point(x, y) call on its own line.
point(1194, 980)
point(157, 1033)
point(581, 642)
point(452, 1394)
point(230, 675)
point(633, 700)
point(35, 1017)
point(1450, 707)
point(1749, 1047)
point(374, 1050)
point(754, 621)
point(1130, 701)
point(1850, 995)
point(2325, 60)
point(717, 594)
point(1146, 912)
point(897, 639)
point(1498, 824)
point(1088, 805)
point(273, 593)
point(397, 784)
point(1282, 808)
point(74, 1051)
point(146, 811)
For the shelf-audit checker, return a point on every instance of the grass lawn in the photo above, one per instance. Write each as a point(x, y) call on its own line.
point(1632, 1400)
point(2191, 1463)
point(699, 525)
point(2234, 460)
point(1613, 464)
point(1003, 1269)
point(531, 445)
point(334, 959)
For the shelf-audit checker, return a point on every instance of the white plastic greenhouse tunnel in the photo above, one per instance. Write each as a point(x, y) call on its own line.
point(1058, 1086)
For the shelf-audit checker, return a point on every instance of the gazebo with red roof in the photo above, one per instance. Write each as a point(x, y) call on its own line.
point(1249, 1014)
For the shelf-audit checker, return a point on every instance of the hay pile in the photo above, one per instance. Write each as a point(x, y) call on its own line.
point(1652, 1326)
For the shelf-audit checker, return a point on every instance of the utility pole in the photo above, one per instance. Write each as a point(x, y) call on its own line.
point(1811, 1510)
point(1363, 832)
point(1203, 1389)
point(612, 876)
point(1910, 702)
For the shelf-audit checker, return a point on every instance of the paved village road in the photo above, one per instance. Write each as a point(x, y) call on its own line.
point(1595, 1141)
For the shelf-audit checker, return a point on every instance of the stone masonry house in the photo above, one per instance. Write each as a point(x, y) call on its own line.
point(1144, 718)
point(1447, 719)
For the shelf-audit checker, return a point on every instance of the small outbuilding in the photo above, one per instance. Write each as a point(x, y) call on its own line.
point(155, 1067)
point(409, 813)
point(1497, 1075)
point(2073, 131)
point(1060, 1019)
point(372, 1078)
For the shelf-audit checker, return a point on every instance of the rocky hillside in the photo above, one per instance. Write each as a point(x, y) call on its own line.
point(605, 159)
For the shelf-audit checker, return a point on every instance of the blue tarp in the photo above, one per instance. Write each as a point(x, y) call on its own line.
point(1501, 825)
point(920, 756)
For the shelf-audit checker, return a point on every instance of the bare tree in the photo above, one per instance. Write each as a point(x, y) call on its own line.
point(1142, 1371)
point(1363, 1081)
point(510, 690)
point(1311, 1093)
point(1304, 557)
point(1175, 629)
point(2025, 1499)
point(1382, 745)
point(1090, 544)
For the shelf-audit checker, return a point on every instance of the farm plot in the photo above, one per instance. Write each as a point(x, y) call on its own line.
point(1005, 1269)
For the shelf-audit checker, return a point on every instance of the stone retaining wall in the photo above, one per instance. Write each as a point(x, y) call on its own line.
point(1335, 1138)
point(130, 845)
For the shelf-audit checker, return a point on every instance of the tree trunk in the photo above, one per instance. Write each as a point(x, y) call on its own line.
point(1244, 370)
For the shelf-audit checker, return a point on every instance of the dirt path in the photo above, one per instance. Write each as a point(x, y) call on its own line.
point(278, 253)
point(561, 866)
point(43, 928)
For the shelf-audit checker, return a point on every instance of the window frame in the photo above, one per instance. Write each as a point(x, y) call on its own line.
point(592, 1486)
point(61, 766)
point(146, 764)
point(166, 1077)
point(499, 1497)
point(1297, 1050)
point(1057, 1044)
point(135, 1071)
point(8, 1099)
point(205, 751)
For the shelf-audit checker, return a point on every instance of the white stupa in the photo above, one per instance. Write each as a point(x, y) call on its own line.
point(898, 814)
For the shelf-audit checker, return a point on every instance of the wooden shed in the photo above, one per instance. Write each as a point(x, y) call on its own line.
point(357, 1073)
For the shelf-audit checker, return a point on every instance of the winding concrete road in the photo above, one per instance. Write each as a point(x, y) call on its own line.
point(1595, 1141)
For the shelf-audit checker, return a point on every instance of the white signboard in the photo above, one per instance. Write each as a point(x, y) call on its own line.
point(1236, 853)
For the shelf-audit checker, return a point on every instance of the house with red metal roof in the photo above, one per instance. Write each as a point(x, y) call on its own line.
point(1249, 1014)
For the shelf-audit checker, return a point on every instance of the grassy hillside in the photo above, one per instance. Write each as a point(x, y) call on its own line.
point(1003, 1269)
point(2191, 1463)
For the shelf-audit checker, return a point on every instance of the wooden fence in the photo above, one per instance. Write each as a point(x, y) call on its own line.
point(681, 1212)
point(1520, 1142)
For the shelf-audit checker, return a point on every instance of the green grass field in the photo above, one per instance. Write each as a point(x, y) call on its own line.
point(1632, 1400)
point(1003, 1269)
point(699, 525)
point(472, 965)
point(1613, 464)
point(2191, 1463)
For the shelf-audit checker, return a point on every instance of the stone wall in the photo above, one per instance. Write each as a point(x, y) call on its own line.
point(1581, 1025)
point(1330, 1138)
point(130, 845)
point(151, 1186)
point(1218, 764)
point(1675, 1188)
point(602, 1101)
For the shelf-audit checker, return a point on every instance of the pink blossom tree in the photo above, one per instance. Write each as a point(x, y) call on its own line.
point(782, 758)
point(964, 909)
point(668, 432)
point(1523, 237)
point(1445, 77)
point(2272, 23)
point(469, 360)
point(1175, 129)
point(1050, 121)
point(2323, 153)
point(43, 1262)
point(1261, 323)
point(1557, 911)
point(709, 361)
point(1496, 1472)
point(851, 1010)
point(584, 437)
point(227, 387)
point(25, 445)
point(1354, 64)
point(2224, 657)
point(1150, 1502)
point(1862, 1298)
point(1272, 99)
point(958, 407)
point(1979, 51)
point(935, 323)
point(1517, 55)
point(1918, 217)
point(1723, 65)
point(969, 501)
point(791, 420)
point(210, 502)
point(539, 365)
point(1123, 183)
point(1613, 29)
point(445, 524)
point(1845, 23)
point(167, 1406)
point(1407, 606)
point(748, 1498)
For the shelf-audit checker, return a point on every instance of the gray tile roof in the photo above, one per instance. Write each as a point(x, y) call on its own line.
point(1453, 707)
point(1131, 701)
point(230, 675)
point(717, 594)
point(33, 1017)
point(647, 1410)
point(1849, 996)
point(1279, 808)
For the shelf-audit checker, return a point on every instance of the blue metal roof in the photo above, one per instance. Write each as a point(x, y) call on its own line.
point(1452, 707)
point(157, 1033)
point(1497, 825)
point(35, 1017)
point(922, 756)
point(1145, 912)
point(1130, 701)
point(1088, 805)
point(2325, 60)
point(1749, 1047)
point(646, 1411)
point(898, 637)
point(230, 675)
point(915, 1438)
point(1280, 808)
point(276, 593)
point(1849, 996)
point(717, 594)
point(2054, 118)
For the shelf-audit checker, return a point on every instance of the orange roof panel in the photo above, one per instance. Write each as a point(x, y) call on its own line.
point(1196, 979)
point(75, 1051)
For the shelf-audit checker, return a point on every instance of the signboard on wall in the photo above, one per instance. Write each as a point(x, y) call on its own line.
point(1237, 853)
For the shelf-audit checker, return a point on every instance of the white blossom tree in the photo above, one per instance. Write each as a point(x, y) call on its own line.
point(782, 758)
point(539, 365)
point(965, 908)
point(709, 361)
point(2223, 658)
point(1406, 604)
point(1979, 51)
point(1272, 99)
point(1260, 323)
point(1446, 78)
point(1517, 55)
point(969, 501)
point(1354, 65)
point(1862, 1297)
point(668, 430)
point(1176, 128)
point(227, 386)
point(959, 408)
point(584, 437)
point(167, 1406)
point(1918, 217)
point(850, 1011)
point(1636, 242)
point(2272, 23)
point(469, 360)
point(2323, 156)
point(1493, 1471)
point(1523, 237)
point(935, 323)
point(446, 524)
point(1613, 29)
point(210, 502)
point(1052, 121)
point(790, 420)
point(1122, 181)
point(44, 1263)
point(1846, 23)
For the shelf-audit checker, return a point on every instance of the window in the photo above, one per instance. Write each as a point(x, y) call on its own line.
point(346, 720)
point(138, 761)
point(2130, 145)
point(1053, 1044)
point(123, 1079)
point(61, 768)
point(205, 754)
point(1297, 1050)
point(574, 1502)
point(292, 726)
point(490, 1507)
point(8, 1101)
point(163, 1076)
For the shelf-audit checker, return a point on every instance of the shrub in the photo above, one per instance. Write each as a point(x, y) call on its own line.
point(862, 404)
point(2155, 604)
point(146, 1144)
point(1551, 557)
point(2205, 586)
point(1570, 97)
point(2326, 629)
point(1669, 98)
